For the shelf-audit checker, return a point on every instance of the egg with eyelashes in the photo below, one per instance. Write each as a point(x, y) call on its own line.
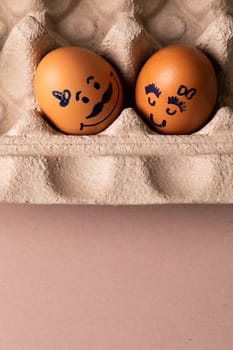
point(78, 91)
point(176, 90)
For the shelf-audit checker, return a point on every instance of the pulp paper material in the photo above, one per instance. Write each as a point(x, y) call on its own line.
point(127, 163)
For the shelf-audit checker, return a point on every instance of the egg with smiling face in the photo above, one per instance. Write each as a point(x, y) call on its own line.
point(176, 90)
point(78, 91)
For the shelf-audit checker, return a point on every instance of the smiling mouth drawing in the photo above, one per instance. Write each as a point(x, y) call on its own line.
point(100, 105)
point(162, 125)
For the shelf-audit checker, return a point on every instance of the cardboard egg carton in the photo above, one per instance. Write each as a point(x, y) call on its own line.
point(128, 163)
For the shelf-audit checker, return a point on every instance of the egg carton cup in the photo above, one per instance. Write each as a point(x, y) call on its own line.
point(128, 163)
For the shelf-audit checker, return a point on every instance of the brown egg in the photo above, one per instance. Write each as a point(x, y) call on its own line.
point(78, 90)
point(176, 90)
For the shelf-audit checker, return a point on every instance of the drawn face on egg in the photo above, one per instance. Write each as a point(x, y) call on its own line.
point(175, 105)
point(85, 95)
point(101, 109)
point(176, 90)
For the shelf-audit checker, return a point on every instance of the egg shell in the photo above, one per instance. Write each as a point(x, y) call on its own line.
point(176, 90)
point(78, 91)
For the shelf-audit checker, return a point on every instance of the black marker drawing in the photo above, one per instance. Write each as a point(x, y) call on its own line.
point(152, 88)
point(184, 91)
point(176, 102)
point(89, 79)
point(152, 103)
point(100, 105)
point(96, 84)
point(64, 97)
point(84, 98)
point(77, 97)
point(161, 125)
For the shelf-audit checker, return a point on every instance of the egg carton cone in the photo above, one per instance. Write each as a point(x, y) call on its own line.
point(127, 163)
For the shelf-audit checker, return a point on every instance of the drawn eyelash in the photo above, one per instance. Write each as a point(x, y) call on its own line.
point(175, 101)
point(154, 89)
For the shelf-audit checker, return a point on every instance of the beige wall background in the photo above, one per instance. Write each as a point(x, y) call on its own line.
point(116, 278)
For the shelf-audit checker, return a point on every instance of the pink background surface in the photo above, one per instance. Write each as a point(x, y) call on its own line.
point(124, 278)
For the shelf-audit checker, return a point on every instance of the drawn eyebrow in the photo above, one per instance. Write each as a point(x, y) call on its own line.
point(90, 78)
point(77, 95)
point(154, 89)
point(175, 101)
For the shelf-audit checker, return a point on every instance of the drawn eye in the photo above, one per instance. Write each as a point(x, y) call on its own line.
point(175, 101)
point(89, 79)
point(168, 111)
point(151, 102)
point(85, 99)
point(97, 86)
